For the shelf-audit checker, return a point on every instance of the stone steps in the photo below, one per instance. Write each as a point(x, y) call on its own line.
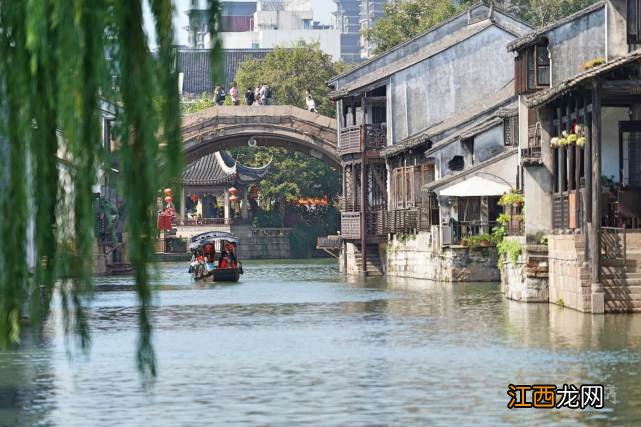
point(374, 265)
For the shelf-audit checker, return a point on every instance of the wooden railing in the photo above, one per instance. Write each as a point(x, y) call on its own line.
point(351, 225)
point(350, 140)
point(560, 211)
point(329, 242)
point(398, 221)
point(532, 154)
point(375, 137)
point(613, 243)
point(205, 221)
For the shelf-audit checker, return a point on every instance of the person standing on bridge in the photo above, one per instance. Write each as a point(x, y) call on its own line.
point(257, 95)
point(235, 94)
point(249, 96)
point(218, 96)
point(265, 94)
point(311, 104)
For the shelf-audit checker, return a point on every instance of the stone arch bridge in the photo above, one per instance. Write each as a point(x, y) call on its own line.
point(220, 128)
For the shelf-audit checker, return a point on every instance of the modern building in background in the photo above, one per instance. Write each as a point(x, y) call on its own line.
point(347, 21)
point(264, 24)
point(370, 12)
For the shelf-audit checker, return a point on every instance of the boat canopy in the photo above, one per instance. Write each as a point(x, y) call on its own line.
point(199, 240)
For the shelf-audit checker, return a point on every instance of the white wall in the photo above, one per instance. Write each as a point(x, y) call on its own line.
point(242, 40)
point(329, 40)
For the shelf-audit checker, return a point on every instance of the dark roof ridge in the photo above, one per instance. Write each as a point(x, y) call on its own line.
point(429, 30)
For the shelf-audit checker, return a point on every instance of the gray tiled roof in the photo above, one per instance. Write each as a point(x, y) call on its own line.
point(220, 168)
point(196, 67)
point(558, 90)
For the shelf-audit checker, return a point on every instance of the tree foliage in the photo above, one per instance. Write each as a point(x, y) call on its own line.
point(292, 175)
point(290, 72)
point(539, 13)
point(404, 20)
point(58, 59)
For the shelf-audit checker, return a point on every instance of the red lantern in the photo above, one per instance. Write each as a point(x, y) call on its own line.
point(194, 198)
point(168, 199)
point(253, 193)
point(233, 198)
point(168, 192)
point(232, 190)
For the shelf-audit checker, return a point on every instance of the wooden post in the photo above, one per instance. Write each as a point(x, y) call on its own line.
point(182, 206)
point(226, 208)
point(364, 186)
point(598, 304)
point(587, 193)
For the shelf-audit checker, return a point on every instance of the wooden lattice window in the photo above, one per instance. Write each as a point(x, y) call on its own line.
point(532, 68)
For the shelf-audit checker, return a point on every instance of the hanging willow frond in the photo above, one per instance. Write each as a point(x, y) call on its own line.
point(57, 61)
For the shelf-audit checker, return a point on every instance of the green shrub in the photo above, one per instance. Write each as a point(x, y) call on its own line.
point(512, 198)
point(511, 249)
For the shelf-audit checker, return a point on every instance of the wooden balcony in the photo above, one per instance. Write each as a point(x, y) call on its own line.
point(350, 139)
point(351, 225)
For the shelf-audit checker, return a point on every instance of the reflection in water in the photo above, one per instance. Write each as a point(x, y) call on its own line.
point(295, 342)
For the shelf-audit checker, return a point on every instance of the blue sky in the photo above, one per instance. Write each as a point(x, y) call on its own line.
point(322, 12)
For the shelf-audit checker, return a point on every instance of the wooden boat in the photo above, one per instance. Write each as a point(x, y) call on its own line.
point(209, 270)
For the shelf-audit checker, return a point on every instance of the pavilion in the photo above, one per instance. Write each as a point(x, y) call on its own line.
point(210, 177)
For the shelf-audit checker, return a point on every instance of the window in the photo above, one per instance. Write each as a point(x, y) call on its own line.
point(532, 68)
point(542, 65)
point(633, 24)
point(407, 184)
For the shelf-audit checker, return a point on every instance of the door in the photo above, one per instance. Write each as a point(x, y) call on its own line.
point(630, 146)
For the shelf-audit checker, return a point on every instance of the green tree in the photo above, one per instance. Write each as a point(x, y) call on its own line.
point(539, 13)
point(290, 72)
point(292, 175)
point(404, 20)
point(58, 59)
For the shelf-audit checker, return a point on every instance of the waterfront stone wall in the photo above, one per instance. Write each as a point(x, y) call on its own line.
point(568, 284)
point(256, 244)
point(419, 257)
point(347, 263)
point(527, 280)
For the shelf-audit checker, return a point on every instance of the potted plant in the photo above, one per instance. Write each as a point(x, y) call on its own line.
point(554, 142)
point(572, 138)
point(580, 141)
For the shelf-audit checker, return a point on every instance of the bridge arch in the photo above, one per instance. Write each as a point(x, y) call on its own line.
point(221, 128)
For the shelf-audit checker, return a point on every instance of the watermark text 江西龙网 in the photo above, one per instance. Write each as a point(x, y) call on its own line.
point(566, 396)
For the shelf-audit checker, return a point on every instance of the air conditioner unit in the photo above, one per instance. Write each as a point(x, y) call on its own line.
point(446, 235)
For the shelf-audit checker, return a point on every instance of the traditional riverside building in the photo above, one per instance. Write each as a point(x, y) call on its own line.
point(427, 135)
point(578, 82)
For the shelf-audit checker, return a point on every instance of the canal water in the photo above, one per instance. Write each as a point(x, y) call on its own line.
point(297, 343)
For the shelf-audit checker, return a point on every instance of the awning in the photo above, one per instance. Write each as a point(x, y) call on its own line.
point(476, 186)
